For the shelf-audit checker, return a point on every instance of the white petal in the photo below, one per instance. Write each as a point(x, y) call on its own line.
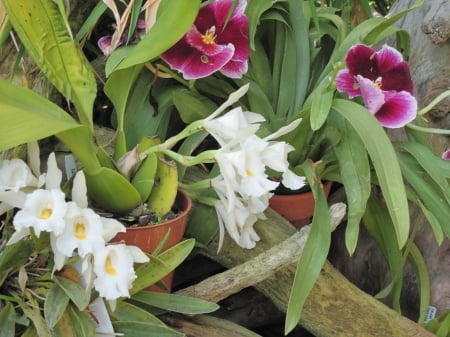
point(79, 190)
point(137, 254)
point(54, 174)
point(293, 181)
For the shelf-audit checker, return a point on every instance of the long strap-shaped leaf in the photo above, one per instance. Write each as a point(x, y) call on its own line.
point(26, 116)
point(384, 160)
point(45, 35)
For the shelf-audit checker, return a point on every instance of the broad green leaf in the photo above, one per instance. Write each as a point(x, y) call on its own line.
point(176, 303)
point(21, 110)
point(43, 31)
point(74, 323)
point(254, 11)
point(313, 256)
point(355, 173)
point(127, 312)
point(379, 225)
point(112, 191)
point(55, 304)
point(192, 106)
point(6, 323)
point(202, 231)
point(173, 21)
point(74, 291)
point(320, 107)
point(80, 141)
point(117, 88)
point(160, 266)
point(144, 329)
point(384, 160)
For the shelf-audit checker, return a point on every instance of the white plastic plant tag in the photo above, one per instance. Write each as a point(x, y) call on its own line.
point(431, 314)
point(71, 166)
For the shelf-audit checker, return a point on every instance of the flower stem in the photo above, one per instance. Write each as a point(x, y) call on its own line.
point(429, 130)
point(435, 101)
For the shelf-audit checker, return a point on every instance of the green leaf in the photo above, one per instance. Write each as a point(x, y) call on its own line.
point(160, 266)
point(117, 88)
point(436, 167)
point(14, 256)
point(143, 329)
point(112, 191)
point(74, 323)
point(55, 304)
point(127, 312)
point(34, 314)
point(355, 173)
point(384, 160)
point(428, 193)
point(320, 107)
point(313, 256)
point(6, 323)
point(174, 19)
point(43, 31)
point(420, 267)
point(380, 227)
point(74, 291)
point(21, 110)
point(176, 303)
point(192, 106)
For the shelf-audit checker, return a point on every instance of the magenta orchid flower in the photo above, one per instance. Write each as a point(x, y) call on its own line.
point(213, 43)
point(446, 155)
point(383, 80)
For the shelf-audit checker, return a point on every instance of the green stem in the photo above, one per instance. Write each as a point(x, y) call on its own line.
point(435, 101)
point(198, 185)
point(429, 130)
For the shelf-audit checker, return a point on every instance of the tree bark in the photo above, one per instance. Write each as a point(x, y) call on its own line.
point(335, 307)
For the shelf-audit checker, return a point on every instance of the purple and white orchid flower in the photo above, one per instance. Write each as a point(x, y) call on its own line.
point(383, 80)
point(213, 43)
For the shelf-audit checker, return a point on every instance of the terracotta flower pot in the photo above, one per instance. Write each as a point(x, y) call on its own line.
point(149, 237)
point(296, 208)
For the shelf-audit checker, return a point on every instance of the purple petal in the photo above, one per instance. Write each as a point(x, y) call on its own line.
point(446, 155)
point(398, 79)
point(235, 68)
point(346, 83)
point(361, 60)
point(388, 58)
point(372, 95)
point(104, 43)
point(399, 109)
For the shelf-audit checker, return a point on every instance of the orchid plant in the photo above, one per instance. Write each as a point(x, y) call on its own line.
point(284, 91)
point(71, 235)
point(305, 62)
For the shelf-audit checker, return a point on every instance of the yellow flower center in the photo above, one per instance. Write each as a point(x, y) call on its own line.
point(209, 36)
point(249, 172)
point(378, 83)
point(80, 231)
point(45, 213)
point(109, 267)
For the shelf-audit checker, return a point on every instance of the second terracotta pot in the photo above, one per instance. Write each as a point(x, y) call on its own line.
point(296, 208)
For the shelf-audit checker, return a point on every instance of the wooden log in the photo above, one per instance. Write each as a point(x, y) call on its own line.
point(335, 307)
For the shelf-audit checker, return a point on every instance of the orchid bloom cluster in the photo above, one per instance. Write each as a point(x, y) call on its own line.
point(383, 80)
point(73, 227)
point(215, 42)
point(243, 186)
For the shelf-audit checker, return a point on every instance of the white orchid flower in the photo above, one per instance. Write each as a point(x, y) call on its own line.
point(113, 267)
point(43, 211)
point(237, 215)
point(232, 125)
point(15, 174)
point(109, 227)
